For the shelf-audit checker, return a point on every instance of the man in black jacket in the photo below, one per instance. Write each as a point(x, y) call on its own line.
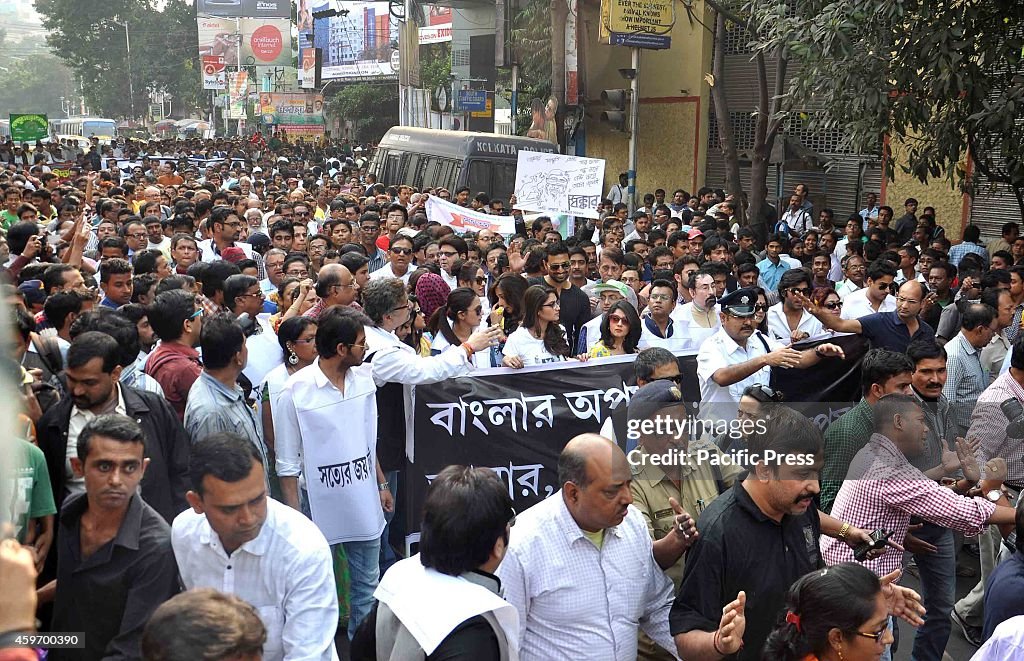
point(93, 389)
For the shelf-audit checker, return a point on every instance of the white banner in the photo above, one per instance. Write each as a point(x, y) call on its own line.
point(559, 184)
point(463, 219)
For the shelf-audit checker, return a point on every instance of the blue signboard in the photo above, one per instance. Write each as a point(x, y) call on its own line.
point(655, 41)
point(473, 100)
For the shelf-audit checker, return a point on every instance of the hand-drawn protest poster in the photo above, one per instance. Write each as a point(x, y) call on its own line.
point(558, 184)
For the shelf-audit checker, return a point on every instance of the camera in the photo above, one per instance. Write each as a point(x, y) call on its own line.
point(1014, 412)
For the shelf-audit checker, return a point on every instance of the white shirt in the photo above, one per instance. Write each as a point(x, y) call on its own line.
point(286, 574)
point(677, 340)
point(209, 250)
point(530, 350)
point(722, 351)
point(778, 326)
point(576, 601)
point(857, 305)
point(345, 507)
point(799, 221)
point(450, 280)
point(480, 359)
point(1006, 642)
point(845, 288)
point(684, 315)
point(386, 272)
point(80, 418)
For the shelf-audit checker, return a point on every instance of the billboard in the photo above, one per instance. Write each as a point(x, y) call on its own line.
point(245, 8)
point(259, 41)
point(358, 44)
point(439, 25)
point(213, 72)
point(295, 109)
point(637, 23)
point(238, 92)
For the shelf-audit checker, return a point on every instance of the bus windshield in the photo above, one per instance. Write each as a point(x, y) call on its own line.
point(101, 128)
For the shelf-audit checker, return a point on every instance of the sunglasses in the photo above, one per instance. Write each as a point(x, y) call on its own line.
point(883, 286)
point(618, 319)
point(402, 251)
point(834, 305)
point(806, 291)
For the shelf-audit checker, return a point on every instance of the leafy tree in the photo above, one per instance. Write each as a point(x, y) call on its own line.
point(164, 50)
point(532, 48)
point(371, 108)
point(941, 76)
point(35, 84)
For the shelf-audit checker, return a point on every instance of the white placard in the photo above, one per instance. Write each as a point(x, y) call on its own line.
point(559, 184)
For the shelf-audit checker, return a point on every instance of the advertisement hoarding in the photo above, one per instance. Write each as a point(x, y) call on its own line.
point(439, 25)
point(358, 44)
point(245, 8)
point(27, 127)
point(213, 72)
point(238, 92)
point(297, 109)
point(259, 41)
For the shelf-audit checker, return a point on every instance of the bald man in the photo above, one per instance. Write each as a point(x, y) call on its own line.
point(335, 285)
point(886, 330)
point(582, 560)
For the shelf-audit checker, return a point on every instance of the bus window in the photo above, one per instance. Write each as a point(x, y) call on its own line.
point(504, 181)
point(392, 168)
point(479, 178)
point(411, 174)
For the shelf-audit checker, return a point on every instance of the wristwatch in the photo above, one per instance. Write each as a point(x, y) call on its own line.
point(994, 495)
point(384, 486)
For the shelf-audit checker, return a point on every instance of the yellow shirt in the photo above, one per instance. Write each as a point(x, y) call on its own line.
point(596, 538)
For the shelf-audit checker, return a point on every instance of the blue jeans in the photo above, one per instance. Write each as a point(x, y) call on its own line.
point(364, 569)
point(387, 554)
point(938, 590)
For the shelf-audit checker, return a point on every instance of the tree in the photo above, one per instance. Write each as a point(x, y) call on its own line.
point(35, 85)
point(371, 108)
point(943, 77)
point(164, 50)
point(532, 49)
point(772, 110)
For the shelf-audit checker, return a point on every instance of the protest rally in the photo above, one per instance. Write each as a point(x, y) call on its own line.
point(402, 347)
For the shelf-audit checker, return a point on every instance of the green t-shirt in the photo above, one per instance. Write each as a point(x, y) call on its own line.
point(32, 497)
point(7, 219)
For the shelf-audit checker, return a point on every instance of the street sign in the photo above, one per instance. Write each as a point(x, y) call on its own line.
point(396, 61)
point(637, 23)
point(473, 100)
point(487, 111)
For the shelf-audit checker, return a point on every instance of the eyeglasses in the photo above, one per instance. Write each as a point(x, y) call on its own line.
point(806, 291)
point(198, 313)
point(834, 305)
point(618, 319)
point(478, 309)
point(137, 235)
point(447, 253)
point(301, 213)
point(660, 297)
point(908, 301)
point(883, 286)
point(677, 379)
point(344, 286)
point(875, 635)
point(369, 229)
point(401, 307)
point(258, 294)
point(297, 274)
point(480, 280)
point(760, 308)
point(555, 304)
point(558, 267)
point(361, 346)
point(402, 251)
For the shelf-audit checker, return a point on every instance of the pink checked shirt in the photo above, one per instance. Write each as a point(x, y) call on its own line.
point(883, 490)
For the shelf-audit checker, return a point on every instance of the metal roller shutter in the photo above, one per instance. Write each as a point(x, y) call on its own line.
point(991, 207)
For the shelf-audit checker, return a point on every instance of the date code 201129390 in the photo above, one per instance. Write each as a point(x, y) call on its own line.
point(67, 641)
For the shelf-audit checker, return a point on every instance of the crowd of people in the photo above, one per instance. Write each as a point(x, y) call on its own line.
point(192, 321)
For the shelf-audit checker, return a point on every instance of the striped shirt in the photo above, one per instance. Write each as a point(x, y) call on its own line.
point(988, 424)
point(965, 381)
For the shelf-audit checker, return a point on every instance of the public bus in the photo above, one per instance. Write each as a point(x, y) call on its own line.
point(431, 158)
point(5, 130)
point(89, 127)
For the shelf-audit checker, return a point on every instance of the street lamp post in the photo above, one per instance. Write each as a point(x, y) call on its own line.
point(128, 47)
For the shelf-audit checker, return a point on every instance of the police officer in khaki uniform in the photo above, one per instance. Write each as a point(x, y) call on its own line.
point(672, 477)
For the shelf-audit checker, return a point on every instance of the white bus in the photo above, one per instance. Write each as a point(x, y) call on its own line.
point(89, 127)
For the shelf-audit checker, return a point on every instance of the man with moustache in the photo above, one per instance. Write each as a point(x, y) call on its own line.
point(771, 513)
point(225, 228)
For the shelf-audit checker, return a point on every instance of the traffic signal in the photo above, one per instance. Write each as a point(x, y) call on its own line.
point(616, 116)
